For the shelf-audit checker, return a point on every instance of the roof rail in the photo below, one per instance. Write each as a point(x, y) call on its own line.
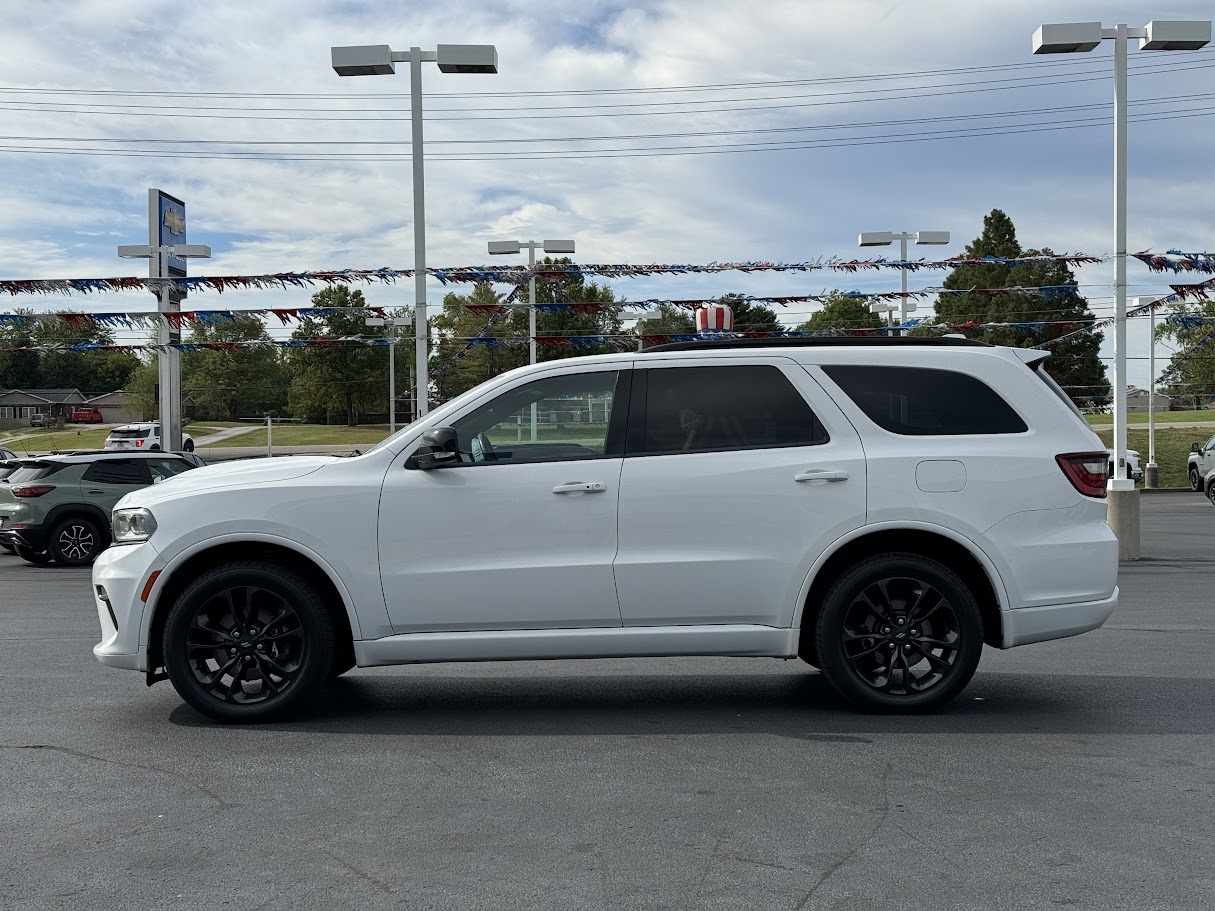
point(825, 341)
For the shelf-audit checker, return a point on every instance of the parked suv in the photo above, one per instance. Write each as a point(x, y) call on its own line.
point(142, 436)
point(875, 507)
point(1200, 463)
point(57, 507)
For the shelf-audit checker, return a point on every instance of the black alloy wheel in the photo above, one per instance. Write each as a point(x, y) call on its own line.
point(1211, 493)
point(76, 541)
point(29, 555)
point(1195, 480)
point(899, 632)
point(248, 642)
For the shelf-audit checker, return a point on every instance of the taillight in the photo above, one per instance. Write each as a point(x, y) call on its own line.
point(1086, 471)
point(139, 442)
point(26, 491)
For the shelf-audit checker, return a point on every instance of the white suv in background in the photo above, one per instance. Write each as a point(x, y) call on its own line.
point(142, 437)
point(879, 508)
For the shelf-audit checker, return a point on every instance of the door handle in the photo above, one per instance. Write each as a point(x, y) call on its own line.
point(580, 487)
point(821, 474)
point(94, 490)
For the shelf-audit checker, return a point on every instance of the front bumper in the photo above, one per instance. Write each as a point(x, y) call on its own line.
point(121, 573)
point(1055, 621)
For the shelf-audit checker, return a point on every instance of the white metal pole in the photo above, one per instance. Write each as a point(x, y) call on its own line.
point(903, 283)
point(422, 346)
point(1120, 42)
point(269, 436)
point(392, 376)
point(531, 319)
point(1152, 393)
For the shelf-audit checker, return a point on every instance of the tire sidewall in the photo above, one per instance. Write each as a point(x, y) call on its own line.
point(832, 660)
point(88, 525)
point(308, 606)
point(1195, 480)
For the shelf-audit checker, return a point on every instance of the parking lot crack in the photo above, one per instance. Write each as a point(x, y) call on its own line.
point(68, 751)
point(883, 814)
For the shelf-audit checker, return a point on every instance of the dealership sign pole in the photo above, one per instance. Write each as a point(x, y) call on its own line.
point(166, 227)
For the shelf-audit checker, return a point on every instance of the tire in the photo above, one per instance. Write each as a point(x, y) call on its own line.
point(919, 614)
point(76, 541)
point(1211, 494)
point(265, 630)
point(1195, 480)
point(31, 556)
point(5, 546)
point(153, 448)
point(188, 445)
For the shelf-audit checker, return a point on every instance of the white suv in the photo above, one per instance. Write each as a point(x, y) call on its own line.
point(879, 508)
point(142, 437)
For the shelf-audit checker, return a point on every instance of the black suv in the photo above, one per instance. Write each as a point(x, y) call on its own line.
point(58, 506)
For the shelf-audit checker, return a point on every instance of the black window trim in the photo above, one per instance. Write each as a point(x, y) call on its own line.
point(635, 437)
point(613, 445)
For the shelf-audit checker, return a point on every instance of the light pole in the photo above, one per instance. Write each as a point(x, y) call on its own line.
point(380, 60)
point(642, 316)
point(391, 323)
point(885, 239)
point(1122, 504)
point(1151, 473)
point(506, 247)
point(169, 367)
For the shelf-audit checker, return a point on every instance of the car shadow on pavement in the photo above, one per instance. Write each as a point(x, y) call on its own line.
point(799, 705)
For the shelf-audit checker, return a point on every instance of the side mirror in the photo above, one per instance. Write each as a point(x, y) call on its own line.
point(439, 448)
point(1194, 447)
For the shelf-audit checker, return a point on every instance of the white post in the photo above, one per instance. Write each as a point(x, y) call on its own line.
point(392, 377)
point(1150, 473)
point(269, 436)
point(1122, 499)
point(903, 283)
point(419, 233)
point(531, 318)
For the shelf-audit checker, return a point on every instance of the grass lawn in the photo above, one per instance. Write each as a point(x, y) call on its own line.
point(1162, 417)
point(1172, 450)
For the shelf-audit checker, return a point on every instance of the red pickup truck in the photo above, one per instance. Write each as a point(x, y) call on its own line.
point(84, 414)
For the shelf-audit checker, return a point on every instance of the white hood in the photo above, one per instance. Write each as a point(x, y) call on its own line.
point(241, 473)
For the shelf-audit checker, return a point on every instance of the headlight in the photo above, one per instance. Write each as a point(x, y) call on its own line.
point(132, 526)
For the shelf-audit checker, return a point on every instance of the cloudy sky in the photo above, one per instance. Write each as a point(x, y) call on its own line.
point(680, 131)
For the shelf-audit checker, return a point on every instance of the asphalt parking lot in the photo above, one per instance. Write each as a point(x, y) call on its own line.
point(1077, 774)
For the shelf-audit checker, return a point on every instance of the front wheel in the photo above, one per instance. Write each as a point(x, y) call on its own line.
point(899, 632)
point(1195, 480)
point(76, 542)
point(248, 642)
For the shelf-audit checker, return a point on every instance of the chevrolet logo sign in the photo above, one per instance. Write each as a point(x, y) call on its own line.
point(174, 221)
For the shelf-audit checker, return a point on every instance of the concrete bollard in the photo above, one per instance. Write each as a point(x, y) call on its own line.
point(1122, 514)
point(1151, 476)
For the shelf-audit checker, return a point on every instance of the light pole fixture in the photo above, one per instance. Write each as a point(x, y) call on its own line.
point(391, 323)
point(1081, 37)
point(641, 316)
point(381, 60)
point(507, 247)
point(168, 363)
point(885, 239)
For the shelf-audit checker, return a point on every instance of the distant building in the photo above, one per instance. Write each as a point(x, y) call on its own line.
point(1138, 400)
point(22, 404)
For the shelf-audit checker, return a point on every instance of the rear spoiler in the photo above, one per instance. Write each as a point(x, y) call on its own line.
point(1031, 356)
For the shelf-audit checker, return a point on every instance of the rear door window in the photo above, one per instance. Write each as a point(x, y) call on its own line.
point(117, 471)
point(921, 401)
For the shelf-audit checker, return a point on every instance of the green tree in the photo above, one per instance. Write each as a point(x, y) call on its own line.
point(92, 372)
point(18, 369)
point(671, 320)
point(345, 381)
point(228, 385)
point(1076, 363)
point(568, 289)
point(1194, 379)
point(142, 385)
point(842, 312)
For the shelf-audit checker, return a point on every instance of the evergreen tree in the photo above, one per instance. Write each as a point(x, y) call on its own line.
point(1074, 364)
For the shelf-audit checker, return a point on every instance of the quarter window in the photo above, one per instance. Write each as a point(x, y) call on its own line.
point(705, 409)
point(919, 401)
point(554, 419)
point(115, 471)
point(163, 469)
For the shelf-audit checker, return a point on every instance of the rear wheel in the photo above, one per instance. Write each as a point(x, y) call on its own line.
point(188, 445)
point(248, 642)
point(899, 632)
point(76, 541)
point(1195, 480)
